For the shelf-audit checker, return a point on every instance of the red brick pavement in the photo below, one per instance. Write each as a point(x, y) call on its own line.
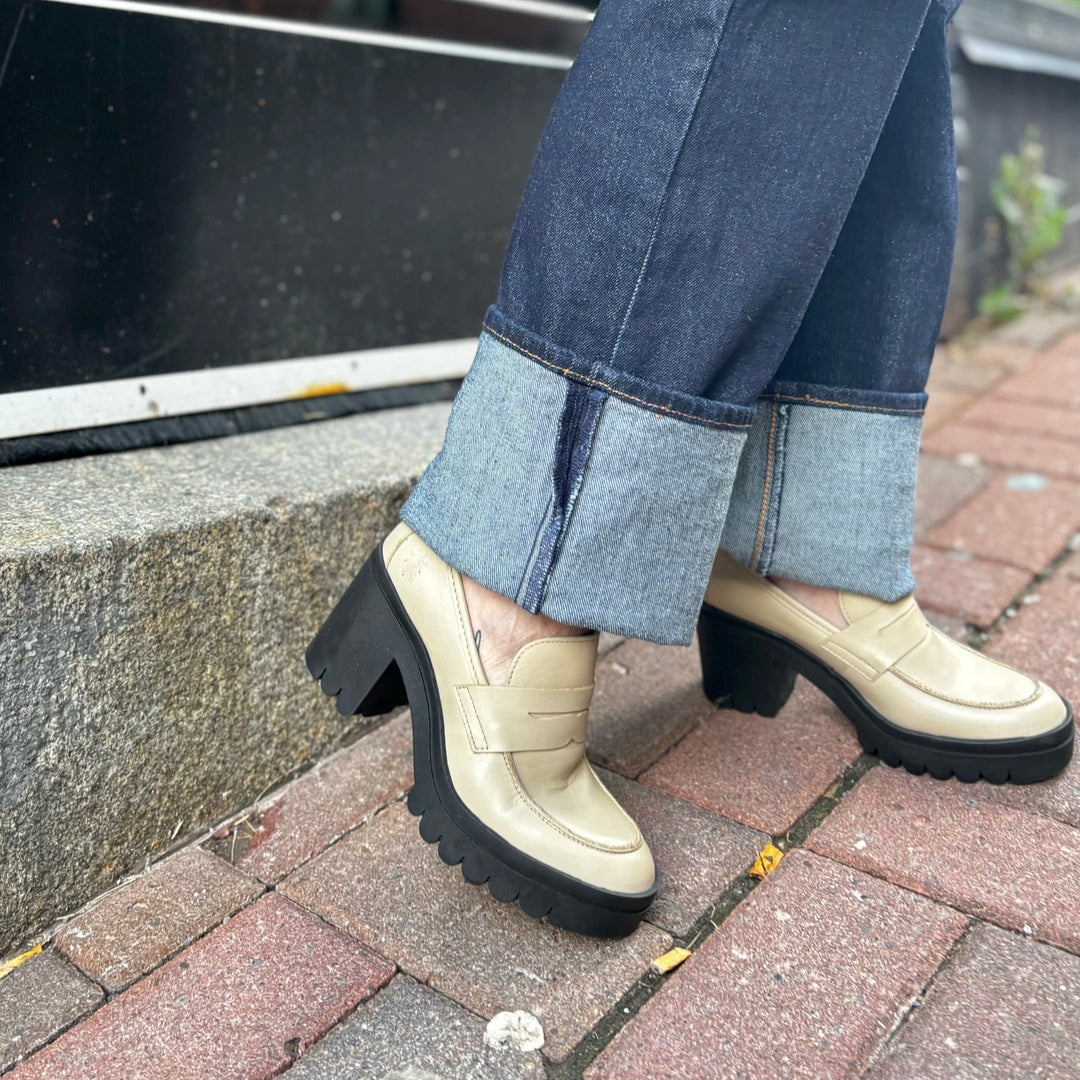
point(204, 969)
point(805, 980)
point(240, 1003)
point(1003, 1008)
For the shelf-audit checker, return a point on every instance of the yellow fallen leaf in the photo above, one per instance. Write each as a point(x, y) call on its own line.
point(12, 964)
point(766, 862)
point(669, 961)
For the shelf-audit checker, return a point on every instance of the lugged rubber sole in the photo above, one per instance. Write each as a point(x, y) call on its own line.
point(754, 670)
point(369, 655)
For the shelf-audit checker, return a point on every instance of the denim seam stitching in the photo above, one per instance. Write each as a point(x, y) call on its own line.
point(671, 175)
point(569, 373)
point(772, 521)
point(539, 579)
point(764, 492)
point(807, 400)
point(521, 592)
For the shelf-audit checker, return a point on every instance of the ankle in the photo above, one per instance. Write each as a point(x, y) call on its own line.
point(823, 602)
point(501, 628)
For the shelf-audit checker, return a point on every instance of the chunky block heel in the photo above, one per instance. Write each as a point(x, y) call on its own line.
point(354, 654)
point(742, 669)
point(370, 656)
point(753, 670)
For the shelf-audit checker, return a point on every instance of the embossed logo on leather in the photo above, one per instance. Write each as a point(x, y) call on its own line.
point(411, 565)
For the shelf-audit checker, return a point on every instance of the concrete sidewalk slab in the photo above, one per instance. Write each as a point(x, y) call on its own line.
point(157, 608)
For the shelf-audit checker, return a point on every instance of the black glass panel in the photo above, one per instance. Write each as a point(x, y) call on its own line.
point(177, 195)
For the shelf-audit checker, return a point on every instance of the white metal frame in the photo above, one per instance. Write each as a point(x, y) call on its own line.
point(181, 393)
point(365, 37)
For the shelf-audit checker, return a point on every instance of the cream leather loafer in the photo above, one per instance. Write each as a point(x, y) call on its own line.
point(917, 698)
point(501, 778)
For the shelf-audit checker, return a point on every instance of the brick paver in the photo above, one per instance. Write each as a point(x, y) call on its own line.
point(137, 927)
point(1005, 1008)
point(760, 771)
point(944, 403)
point(1038, 329)
point(608, 642)
point(1009, 356)
point(325, 803)
point(697, 852)
point(411, 1032)
point(804, 981)
point(1009, 449)
point(1015, 869)
point(38, 1000)
point(943, 486)
point(957, 583)
point(240, 1003)
point(967, 373)
point(388, 888)
point(952, 625)
point(1053, 377)
point(1000, 411)
point(1057, 798)
point(1044, 638)
point(647, 697)
point(1025, 521)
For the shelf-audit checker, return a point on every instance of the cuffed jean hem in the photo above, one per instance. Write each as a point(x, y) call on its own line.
point(578, 492)
point(825, 491)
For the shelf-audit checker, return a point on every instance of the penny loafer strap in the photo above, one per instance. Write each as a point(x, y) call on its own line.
point(509, 719)
point(877, 641)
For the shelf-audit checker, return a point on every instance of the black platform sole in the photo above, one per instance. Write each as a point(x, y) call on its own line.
point(754, 670)
point(369, 655)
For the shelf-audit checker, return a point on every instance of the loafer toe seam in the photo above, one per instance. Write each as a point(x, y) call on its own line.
point(561, 829)
point(994, 706)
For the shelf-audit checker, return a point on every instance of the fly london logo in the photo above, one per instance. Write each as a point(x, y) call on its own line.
point(411, 566)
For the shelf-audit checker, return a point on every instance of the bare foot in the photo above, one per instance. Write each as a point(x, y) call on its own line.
point(501, 628)
point(823, 602)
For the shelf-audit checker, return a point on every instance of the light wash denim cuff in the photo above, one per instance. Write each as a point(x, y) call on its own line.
point(578, 493)
point(825, 491)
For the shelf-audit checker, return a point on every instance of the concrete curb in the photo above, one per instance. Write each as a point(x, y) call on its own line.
point(156, 608)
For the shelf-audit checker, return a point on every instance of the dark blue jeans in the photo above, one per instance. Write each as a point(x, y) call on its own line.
point(716, 315)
